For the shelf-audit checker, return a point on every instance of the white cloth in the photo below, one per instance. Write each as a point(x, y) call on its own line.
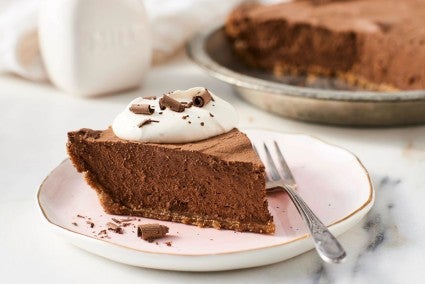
point(172, 24)
point(19, 51)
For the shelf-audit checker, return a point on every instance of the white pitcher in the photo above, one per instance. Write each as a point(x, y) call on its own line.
point(93, 47)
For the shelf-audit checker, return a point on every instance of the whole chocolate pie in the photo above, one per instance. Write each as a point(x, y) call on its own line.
point(378, 44)
point(176, 158)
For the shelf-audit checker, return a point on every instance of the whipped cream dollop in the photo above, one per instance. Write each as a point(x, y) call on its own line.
point(166, 125)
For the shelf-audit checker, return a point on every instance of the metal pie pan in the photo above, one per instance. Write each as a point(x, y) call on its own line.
point(323, 100)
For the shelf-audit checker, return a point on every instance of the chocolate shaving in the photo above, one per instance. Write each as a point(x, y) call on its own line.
point(103, 232)
point(146, 121)
point(142, 109)
point(80, 216)
point(185, 116)
point(150, 232)
point(116, 220)
point(202, 98)
point(90, 223)
point(174, 105)
point(75, 224)
point(150, 98)
point(212, 115)
point(112, 226)
point(115, 228)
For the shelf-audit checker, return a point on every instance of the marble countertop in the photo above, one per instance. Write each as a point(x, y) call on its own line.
point(385, 247)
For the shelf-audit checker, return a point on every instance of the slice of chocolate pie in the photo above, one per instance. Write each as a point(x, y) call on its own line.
point(176, 158)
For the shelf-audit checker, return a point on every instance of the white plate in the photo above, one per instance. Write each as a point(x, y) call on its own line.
point(331, 180)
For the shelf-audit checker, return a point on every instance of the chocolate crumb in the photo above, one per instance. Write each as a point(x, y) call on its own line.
point(146, 121)
point(80, 216)
point(142, 109)
point(150, 232)
point(185, 116)
point(189, 122)
point(212, 115)
point(103, 232)
point(168, 244)
point(202, 124)
point(75, 224)
point(90, 223)
point(160, 112)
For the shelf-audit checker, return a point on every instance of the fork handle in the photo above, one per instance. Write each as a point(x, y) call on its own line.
point(325, 242)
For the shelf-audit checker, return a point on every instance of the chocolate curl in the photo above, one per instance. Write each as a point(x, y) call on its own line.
point(146, 121)
point(201, 99)
point(174, 105)
point(150, 232)
point(142, 109)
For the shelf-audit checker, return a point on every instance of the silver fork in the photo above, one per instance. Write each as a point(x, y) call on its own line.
point(278, 176)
